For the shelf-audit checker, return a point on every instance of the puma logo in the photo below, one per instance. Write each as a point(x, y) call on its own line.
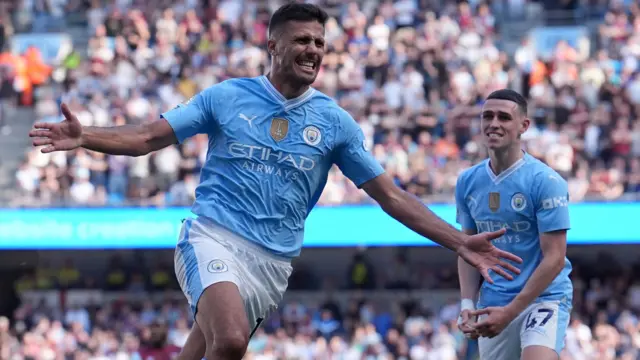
point(247, 119)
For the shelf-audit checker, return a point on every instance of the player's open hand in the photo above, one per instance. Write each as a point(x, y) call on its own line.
point(482, 254)
point(498, 318)
point(62, 136)
point(465, 324)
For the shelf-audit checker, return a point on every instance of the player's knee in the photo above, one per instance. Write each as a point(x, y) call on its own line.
point(230, 346)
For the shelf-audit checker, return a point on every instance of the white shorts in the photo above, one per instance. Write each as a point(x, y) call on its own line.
point(543, 324)
point(207, 254)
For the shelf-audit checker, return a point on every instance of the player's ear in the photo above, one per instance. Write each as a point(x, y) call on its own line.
point(271, 46)
point(526, 122)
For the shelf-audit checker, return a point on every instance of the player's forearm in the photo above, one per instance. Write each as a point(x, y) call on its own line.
point(469, 280)
point(549, 268)
point(416, 216)
point(127, 140)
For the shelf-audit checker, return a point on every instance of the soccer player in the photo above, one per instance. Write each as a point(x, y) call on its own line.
point(272, 141)
point(525, 318)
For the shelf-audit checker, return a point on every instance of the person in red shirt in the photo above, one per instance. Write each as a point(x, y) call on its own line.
point(154, 343)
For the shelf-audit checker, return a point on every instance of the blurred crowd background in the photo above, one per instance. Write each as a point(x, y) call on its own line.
point(413, 73)
point(406, 309)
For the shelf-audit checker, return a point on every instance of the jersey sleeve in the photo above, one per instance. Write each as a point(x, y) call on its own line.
point(196, 116)
point(551, 203)
point(351, 153)
point(463, 215)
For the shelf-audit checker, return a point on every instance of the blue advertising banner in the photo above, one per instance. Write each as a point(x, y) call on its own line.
point(592, 223)
point(48, 44)
point(545, 39)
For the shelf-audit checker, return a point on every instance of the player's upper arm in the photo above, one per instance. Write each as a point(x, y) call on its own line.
point(554, 243)
point(382, 189)
point(351, 153)
point(463, 215)
point(551, 202)
point(196, 116)
point(158, 135)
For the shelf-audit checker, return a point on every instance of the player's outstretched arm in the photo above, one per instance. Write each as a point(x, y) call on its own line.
point(477, 250)
point(412, 213)
point(469, 277)
point(131, 140)
point(358, 164)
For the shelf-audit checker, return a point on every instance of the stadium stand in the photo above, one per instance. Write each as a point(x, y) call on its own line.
point(411, 72)
point(412, 76)
point(407, 312)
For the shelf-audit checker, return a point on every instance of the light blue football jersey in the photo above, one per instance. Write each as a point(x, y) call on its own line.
point(269, 157)
point(527, 199)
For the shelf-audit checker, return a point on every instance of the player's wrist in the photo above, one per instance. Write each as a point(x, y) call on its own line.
point(461, 245)
point(467, 304)
point(82, 139)
point(514, 308)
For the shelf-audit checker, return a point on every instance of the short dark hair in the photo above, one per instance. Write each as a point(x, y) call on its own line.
point(296, 12)
point(510, 95)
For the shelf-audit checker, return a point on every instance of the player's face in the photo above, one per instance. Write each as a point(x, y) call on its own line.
point(502, 124)
point(298, 51)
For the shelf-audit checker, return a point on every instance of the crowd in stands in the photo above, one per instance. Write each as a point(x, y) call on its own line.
point(604, 325)
point(413, 75)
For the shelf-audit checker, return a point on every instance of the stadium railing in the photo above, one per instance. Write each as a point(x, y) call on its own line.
point(56, 298)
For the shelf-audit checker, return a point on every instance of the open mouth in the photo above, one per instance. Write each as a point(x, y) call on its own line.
point(306, 65)
point(494, 135)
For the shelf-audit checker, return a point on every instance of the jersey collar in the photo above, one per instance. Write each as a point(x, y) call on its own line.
point(287, 103)
point(506, 173)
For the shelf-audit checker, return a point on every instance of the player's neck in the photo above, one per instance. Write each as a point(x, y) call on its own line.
point(501, 160)
point(287, 89)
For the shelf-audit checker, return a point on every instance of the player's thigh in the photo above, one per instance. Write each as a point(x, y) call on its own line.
point(504, 346)
point(221, 317)
point(208, 273)
point(543, 330)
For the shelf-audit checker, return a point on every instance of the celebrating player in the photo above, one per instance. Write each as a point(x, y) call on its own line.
point(525, 318)
point(272, 141)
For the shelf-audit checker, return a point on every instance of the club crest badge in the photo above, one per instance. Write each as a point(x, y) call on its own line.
point(312, 135)
point(217, 266)
point(518, 202)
